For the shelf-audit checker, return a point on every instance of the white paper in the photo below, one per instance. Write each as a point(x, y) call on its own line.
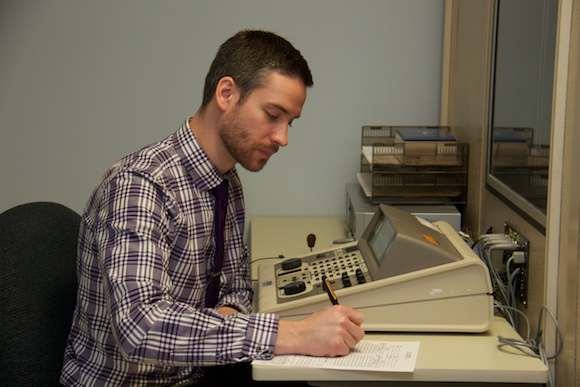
point(384, 356)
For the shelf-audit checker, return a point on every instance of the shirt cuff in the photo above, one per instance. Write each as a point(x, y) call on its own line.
point(261, 336)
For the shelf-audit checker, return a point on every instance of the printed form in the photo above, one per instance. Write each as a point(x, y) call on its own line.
point(382, 356)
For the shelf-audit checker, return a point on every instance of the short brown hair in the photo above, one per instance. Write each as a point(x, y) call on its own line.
point(248, 57)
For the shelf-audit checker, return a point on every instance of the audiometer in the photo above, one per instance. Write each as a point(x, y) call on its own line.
point(404, 273)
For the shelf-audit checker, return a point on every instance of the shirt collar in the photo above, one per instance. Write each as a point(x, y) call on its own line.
point(205, 174)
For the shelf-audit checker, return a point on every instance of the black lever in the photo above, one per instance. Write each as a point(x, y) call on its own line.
point(311, 239)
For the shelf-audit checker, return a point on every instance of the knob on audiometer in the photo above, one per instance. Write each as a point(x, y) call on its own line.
point(291, 263)
point(294, 288)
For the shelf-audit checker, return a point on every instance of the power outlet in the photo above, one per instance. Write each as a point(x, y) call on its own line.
point(521, 281)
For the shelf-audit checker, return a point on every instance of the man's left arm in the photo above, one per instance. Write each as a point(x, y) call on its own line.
point(239, 296)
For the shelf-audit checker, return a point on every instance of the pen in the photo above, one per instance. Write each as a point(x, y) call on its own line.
point(329, 290)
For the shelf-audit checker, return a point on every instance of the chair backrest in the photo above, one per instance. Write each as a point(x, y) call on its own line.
point(38, 244)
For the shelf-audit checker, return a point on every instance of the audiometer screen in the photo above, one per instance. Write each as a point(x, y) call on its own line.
point(381, 238)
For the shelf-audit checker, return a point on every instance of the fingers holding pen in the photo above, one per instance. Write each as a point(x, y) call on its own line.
point(355, 316)
point(349, 325)
point(332, 331)
point(342, 329)
point(351, 318)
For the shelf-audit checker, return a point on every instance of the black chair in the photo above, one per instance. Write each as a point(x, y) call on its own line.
point(38, 244)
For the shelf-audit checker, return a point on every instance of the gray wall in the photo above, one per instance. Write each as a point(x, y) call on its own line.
point(84, 83)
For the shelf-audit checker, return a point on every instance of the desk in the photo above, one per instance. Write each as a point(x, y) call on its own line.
point(443, 358)
point(461, 358)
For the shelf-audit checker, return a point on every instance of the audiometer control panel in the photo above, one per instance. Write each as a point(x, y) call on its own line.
point(301, 277)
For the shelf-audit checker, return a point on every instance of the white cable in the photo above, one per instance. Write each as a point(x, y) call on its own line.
point(493, 236)
point(507, 314)
point(504, 246)
point(493, 242)
point(498, 281)
point(512, 286)
point(506, 290)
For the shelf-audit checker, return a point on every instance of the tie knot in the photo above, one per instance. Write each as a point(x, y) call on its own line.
point(221, 191)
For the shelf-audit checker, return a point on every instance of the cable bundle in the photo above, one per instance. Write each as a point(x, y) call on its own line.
point(505, 295)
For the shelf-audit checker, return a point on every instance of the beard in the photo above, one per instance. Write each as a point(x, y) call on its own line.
point(237, 140)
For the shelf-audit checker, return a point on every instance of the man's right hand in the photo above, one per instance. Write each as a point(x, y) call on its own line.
point(330, 332)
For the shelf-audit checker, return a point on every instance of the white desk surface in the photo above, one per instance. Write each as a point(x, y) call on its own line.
point(466, 358)
point(442, 357)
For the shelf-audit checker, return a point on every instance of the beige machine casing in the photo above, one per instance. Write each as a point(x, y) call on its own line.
point(451, 297)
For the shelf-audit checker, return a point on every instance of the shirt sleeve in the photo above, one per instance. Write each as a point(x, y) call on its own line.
point(148, 324)
point(240, 294)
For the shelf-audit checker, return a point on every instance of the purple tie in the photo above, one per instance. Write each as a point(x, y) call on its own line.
point(221, 196)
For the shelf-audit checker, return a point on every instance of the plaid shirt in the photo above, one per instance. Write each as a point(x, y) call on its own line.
point(145, 236)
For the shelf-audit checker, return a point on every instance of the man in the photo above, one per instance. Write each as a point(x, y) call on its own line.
point(147, 242)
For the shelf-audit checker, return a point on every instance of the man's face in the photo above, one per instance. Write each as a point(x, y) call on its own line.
point(253, 131)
